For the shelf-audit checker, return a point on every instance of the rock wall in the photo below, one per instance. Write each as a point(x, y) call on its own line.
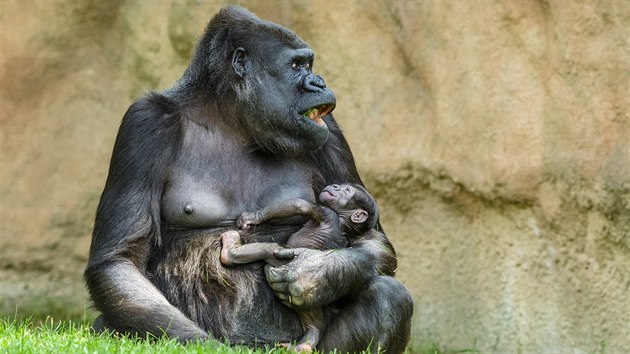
point(495, 136)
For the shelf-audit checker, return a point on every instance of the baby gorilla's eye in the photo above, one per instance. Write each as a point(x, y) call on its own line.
point(294, 65)
point(307, 66)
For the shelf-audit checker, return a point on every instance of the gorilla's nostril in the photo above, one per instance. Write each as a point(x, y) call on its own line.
point(313, 83)
point(318, 81)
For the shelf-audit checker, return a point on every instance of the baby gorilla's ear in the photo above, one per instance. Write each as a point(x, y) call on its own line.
point(359, 216)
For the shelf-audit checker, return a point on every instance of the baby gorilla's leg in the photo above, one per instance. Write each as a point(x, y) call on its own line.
point(234, 252)
point(230, 241)
point(313, 324)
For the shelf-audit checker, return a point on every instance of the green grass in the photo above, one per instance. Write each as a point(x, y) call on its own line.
point(49, 336)
point(23, 336)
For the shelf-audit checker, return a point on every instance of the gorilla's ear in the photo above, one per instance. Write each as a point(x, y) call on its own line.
point(239, 59)
point(359, 216)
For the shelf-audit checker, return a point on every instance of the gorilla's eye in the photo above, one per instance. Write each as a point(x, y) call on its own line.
point(301, 64)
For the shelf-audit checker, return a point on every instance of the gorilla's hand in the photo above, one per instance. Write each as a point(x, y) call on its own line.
point(312, 279)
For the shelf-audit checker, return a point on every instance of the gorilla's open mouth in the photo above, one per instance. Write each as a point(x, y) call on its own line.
point(318, 112)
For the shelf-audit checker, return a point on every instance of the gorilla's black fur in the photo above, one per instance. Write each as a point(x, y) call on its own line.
point(232, 135)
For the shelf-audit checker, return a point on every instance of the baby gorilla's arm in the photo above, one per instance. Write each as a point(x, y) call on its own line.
point(283, 209)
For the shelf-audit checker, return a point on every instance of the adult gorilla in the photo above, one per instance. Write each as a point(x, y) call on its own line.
point(247, 125)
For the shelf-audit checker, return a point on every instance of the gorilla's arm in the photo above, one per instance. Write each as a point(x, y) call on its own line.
point(128, 224)
point(317, 278)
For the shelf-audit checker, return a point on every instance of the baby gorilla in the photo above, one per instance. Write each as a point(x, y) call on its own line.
point(345, 212)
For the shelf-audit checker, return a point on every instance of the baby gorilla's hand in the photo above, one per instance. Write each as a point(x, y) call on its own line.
point(248, 219)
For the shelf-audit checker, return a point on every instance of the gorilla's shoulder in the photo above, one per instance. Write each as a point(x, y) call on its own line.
point(151, 122)
point(152, 106)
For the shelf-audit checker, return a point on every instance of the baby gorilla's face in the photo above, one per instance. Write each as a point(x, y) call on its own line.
point(338, 196)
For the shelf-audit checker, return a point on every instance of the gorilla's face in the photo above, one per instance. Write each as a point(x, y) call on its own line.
point(284, 102)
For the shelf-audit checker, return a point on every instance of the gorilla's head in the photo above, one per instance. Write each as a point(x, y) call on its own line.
point(259, 76)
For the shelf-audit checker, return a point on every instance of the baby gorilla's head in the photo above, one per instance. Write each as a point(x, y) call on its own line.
point(354, 205)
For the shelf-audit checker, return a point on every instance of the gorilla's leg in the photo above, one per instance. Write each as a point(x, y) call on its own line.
point(98, 326)
point(379, 318)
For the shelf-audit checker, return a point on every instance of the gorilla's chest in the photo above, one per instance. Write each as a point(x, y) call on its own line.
point(211, 184)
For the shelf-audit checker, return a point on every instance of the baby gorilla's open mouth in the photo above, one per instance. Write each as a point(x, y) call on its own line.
point(318, 112)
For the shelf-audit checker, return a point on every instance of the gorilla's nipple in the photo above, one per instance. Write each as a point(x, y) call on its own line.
point(188, 209)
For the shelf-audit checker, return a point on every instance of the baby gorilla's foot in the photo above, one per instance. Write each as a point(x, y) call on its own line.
point(229, 240)
point(303, 348)
point(300, 348)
